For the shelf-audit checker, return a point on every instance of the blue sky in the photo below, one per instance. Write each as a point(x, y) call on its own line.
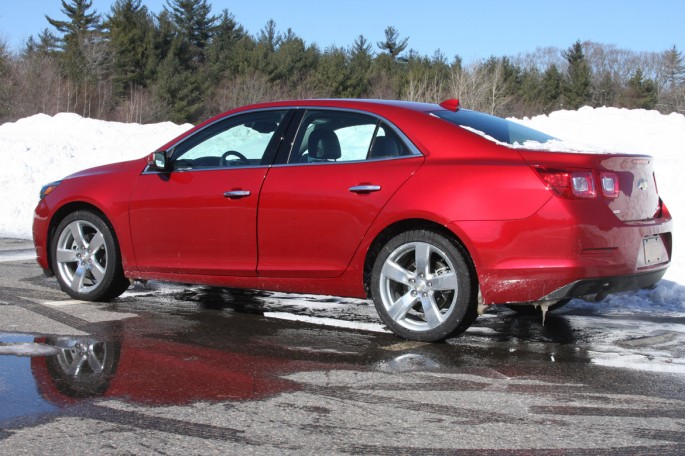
point(473, 29)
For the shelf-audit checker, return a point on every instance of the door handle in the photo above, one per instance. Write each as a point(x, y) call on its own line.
point(237, 194)
point(365, 188)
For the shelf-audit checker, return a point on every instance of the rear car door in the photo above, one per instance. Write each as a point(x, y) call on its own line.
point(315, 209)
point(200, 216)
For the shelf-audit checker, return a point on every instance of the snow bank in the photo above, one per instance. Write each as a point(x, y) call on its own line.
point(41, 149)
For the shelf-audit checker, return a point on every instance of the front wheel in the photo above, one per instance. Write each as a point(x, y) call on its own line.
point(422, 286)
point(86, 258)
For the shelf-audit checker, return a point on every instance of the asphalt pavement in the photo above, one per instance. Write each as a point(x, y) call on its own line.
point(174, 369)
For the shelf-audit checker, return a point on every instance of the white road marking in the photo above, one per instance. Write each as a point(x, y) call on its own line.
point(17, 255)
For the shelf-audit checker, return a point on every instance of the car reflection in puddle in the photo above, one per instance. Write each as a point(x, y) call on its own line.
point(155, 372)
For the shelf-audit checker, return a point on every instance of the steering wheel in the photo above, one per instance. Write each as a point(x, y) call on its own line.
point(241, 157)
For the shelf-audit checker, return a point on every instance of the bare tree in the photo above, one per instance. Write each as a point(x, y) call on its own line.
point(480, 87)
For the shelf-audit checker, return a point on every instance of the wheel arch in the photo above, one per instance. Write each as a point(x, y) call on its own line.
point(408, 225)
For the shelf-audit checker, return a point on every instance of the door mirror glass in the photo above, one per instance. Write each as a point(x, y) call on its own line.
point(157, 161)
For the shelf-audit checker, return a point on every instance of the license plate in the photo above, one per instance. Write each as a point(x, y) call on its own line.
point(654, 249)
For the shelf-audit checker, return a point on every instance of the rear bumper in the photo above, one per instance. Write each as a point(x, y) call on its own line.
point(605, 285)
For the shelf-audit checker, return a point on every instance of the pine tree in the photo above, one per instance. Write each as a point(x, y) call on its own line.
point(78, 34)
point(195, 25)
point(47, 44)
point(332, 74)
point(360, 60)
point(674, 68)
point(224, 52)
point(83, 57)
point(551, 88)
point(577, 91)
point(392, 44)
point(179, 90)
point(640, 93)
point(128, 24)
point(293, 60)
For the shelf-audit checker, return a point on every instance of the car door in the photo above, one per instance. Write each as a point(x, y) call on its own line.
point(314, 210)
point(199, 217)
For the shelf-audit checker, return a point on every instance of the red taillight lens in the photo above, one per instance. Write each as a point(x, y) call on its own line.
point(568, 183)
point(609, 182)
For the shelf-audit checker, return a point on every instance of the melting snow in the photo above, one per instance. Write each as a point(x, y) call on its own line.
point(27, 349)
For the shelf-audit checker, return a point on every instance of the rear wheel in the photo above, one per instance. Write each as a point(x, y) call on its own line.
point(86, 258)
point(422, 286)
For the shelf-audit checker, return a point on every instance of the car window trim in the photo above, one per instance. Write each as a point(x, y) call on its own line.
point(296, 124)
point(271, 148)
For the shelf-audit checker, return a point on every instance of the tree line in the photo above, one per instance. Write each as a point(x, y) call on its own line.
point(185, 63)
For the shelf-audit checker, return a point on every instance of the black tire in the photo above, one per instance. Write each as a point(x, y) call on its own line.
point(86, 259)
point(442, 283)
point(525, 309)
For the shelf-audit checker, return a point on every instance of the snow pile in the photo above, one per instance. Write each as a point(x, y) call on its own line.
point(41, 149)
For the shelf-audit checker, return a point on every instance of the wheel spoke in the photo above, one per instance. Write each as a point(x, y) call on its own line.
point(94, 363)
point(98, 271)
point(77, 280)
point(75, 365)
point(96, 243)
point(446, 281)
point(76, 229)
point(398, 310)
point(431, 312)
point(422, 254)
point(393, 271)
point(66, 256)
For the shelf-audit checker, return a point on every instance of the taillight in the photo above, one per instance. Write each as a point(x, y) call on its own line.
point(609, 182)
point(568, 183)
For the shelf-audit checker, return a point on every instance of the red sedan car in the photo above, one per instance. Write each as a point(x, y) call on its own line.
point(428, 209)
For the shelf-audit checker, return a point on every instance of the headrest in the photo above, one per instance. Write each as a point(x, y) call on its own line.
point(385, 146)
point(323, 144)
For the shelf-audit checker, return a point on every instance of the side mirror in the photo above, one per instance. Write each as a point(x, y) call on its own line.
point(157, 161)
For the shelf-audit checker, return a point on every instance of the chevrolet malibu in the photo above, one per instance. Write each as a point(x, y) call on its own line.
point(433, 211)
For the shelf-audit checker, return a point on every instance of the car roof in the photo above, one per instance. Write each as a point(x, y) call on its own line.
point(386, 108)
point(369, 103)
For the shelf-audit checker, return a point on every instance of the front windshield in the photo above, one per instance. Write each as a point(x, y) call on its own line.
point(500, 129)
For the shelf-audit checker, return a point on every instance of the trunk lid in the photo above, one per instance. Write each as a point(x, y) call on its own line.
point(638, 198)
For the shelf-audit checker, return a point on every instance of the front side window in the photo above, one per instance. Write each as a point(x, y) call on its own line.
point(242, 140)
point(339, 136)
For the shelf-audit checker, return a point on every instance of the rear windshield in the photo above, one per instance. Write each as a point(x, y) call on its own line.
point(500, 129)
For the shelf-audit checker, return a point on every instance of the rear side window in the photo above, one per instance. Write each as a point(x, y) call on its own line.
point(500, 129)
point(341, 136)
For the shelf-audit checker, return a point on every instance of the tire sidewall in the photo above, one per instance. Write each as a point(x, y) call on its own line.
point(464, 300)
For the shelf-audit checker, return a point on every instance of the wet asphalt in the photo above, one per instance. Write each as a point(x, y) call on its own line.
point(173, 369)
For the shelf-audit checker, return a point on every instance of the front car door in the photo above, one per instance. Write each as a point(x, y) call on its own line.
point(315, 209)
point(200, 217)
